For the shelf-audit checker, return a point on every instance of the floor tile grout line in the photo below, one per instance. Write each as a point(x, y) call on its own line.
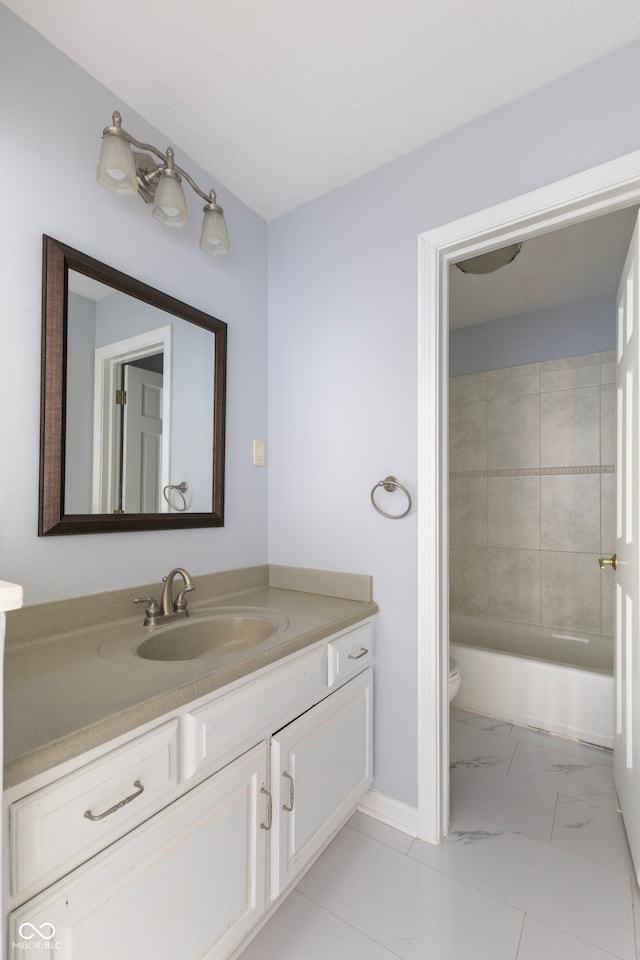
point(468, 724)
point(553, 822)
point(571, 758)
point(506, 903)
point(526, 913)
point(606, 953)
point(558, 794)
point(513, 756)
point(380, 840)
point(437, 870)
point(524, 917)
point(552, 747)
point(553, 741)
point(549, 839)
point(464, 883)
point(357, 930)
point(506, 773)
point(611, 807)
point(635, 916)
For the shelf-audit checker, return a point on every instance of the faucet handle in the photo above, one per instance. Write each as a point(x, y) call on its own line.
point(152, 609)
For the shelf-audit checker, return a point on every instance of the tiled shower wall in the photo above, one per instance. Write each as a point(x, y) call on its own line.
point(532, 493)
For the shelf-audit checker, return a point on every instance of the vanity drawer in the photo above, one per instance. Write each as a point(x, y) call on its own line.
point(50, 832)
point(350, 653)
point(218, 732)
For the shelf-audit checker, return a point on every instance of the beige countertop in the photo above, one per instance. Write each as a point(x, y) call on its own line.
point(63, 695)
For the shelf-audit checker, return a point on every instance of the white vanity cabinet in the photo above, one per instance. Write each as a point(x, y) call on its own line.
point(256, 779)
point(189, 883)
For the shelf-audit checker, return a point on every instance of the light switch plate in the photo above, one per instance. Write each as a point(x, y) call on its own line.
point(259, 453)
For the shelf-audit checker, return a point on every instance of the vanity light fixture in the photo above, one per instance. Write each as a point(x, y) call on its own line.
point(126, 172)
point(491, 261)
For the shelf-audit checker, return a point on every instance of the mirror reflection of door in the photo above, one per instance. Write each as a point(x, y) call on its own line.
point(132, 424)
point(139, 476)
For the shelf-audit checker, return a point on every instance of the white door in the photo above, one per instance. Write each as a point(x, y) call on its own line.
point(142, 443)
point(627, 652)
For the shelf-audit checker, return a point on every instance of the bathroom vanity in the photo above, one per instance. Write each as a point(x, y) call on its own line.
point(179, 836)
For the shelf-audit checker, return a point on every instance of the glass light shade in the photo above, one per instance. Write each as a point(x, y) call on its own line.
point(116, 167)
point(169, 204)
point(214, 238)
point(490, 262)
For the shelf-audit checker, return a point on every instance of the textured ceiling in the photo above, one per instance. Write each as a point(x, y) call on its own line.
point(283, 100)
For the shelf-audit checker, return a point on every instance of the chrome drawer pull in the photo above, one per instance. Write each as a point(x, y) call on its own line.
point(116, 806)
point(291, 793)
point(267, 825)
point(363, 652)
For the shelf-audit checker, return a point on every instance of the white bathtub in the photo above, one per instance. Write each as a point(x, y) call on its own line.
point(555, 680)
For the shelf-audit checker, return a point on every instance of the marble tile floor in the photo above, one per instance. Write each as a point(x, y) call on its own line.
point(536, 866)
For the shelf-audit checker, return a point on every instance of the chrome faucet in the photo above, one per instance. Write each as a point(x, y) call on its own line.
point(169, 608)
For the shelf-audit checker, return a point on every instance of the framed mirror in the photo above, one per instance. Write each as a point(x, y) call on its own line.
point(132, 424)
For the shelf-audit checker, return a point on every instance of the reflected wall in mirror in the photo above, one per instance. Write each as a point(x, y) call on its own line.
point(133, 403)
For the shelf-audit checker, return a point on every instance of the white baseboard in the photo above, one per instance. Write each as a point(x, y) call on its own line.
point(394, 813)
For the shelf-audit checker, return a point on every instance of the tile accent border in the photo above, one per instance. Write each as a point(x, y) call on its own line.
point(535, 471)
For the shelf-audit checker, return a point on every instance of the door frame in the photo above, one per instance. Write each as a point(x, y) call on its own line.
point(107, 363)
point(592, 193)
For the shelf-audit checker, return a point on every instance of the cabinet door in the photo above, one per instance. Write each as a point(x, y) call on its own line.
point(189, 883)
point(320, 767)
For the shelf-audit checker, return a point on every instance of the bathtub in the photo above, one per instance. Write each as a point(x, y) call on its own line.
point(560, 681)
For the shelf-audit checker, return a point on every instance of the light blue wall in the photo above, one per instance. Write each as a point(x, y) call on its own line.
point(52, 114)
point(343, 346)
point(568, 330)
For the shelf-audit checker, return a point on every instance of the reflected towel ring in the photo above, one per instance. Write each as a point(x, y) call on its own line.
point(390, 484)
point(181, 488)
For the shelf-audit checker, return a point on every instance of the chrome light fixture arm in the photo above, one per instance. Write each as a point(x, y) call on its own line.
point(148, 175)
point(125, 172)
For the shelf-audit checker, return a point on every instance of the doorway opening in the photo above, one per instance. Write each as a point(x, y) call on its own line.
point(132, 424)
point(605, 189)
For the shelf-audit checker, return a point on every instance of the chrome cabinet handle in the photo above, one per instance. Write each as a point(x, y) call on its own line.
point(291, 793)
point(116, 806)
point(267, 825)
point(363, 652)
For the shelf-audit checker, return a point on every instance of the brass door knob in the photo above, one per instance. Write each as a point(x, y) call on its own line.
point(608, 562)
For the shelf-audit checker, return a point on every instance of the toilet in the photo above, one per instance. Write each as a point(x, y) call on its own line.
point(455, 678)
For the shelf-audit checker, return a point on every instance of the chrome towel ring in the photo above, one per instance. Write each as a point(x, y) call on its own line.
point(390, 484)
point(181, 489)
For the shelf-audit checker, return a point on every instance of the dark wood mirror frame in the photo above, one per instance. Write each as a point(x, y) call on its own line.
point(57, 260)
